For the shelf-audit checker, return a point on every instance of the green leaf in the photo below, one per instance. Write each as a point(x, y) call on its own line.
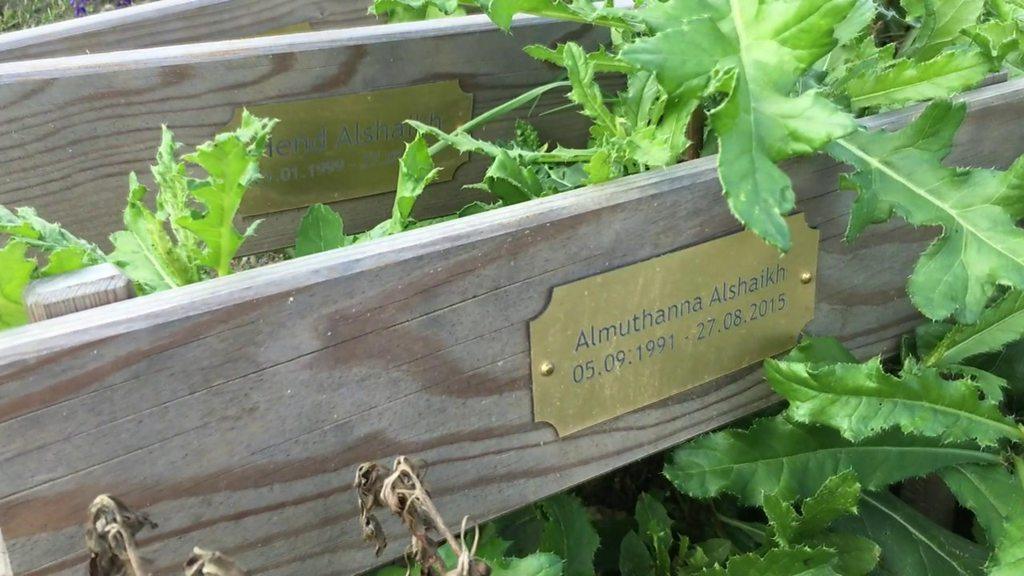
point(634, 557)
point(656, 528)
point(232, 164)
point(912, 545)
point(943, 21)
point(510, 182)
point(321, 229)
point(538, 564)
point(569, 534)
point(862, 400)
point(144, 250)
point(783, 562)
point(857, 22)
point(836, 498)
point(751, 54)
point(586, 92)
point(67, 259)
point(173, 198)
point(902, 172)
point(1009, 557)
point(820, 350)
point(993, 493)
point(903, 81)
point(997, 326)
point(48, 237)
point(996, 40)
point(794, 460)
point(855, 555)
point(15, 274)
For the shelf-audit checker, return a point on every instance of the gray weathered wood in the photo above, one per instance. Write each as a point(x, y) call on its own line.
point(235, 411)
point(75, 127)
point(167, 22)
point(76, 291)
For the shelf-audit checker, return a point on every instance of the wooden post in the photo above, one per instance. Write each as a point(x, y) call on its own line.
point(5, 560)
point(75, 291)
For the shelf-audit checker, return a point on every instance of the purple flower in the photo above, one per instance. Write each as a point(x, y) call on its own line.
point(80, 7)
point(123, 3)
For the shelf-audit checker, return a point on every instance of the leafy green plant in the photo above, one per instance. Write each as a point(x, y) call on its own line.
point(189, 237)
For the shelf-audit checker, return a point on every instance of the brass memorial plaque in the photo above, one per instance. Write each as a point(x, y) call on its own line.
point(342, 147)
point(618, 341)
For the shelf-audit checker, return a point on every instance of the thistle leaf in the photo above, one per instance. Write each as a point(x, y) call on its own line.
point(942, 22)
point(538, 564)
point(998, 325)
point(912, 545)
point(321, 230)
point(634, 557)
point(569, 534)
point(656, 527)
point(1009, 556)
point(16, 271)
point(993, 493)
point(782, 562)
point(902, 81)
point(902, 173)
point(144, 250)
point(862, 400)
point(794, 460)
point(232, 164)
point(752, 53)
point(27, 226)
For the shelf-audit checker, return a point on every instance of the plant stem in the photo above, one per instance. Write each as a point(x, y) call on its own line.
point(499, 111)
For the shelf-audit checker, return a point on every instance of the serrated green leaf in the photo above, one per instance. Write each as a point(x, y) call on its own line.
point(751, 53)
point(857, 22)
point(993, 493)
point(862, 400)
point(1009, 556)
point(784, 562)
point(912, 545)
point(634, 557)
point(904, 81)
point(855, 555)
point(782, 518)
point(836, 498)
point(539, 564)
point(232, 164)
point(45, 236)
point(16, 271)
point(586, 92)
point(145, 251)
point(321, 229)
point(817, 350)
point(998, 325)
point(173, 199)
point(67, 259)
point(794, 460)
point(510, 182)
point(569, 534)
point(942, 22)
point(656, 527)
point(902, 173)
point(996, 40)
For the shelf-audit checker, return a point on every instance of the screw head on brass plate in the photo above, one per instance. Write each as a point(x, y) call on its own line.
point(547, 369)
point(806, 277)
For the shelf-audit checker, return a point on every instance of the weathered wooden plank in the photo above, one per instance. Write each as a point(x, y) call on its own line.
point(75, 127)
point(235, 411)
point(76, 291)
point(179, 22)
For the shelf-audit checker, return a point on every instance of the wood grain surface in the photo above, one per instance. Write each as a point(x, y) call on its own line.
point(75, 127)
point(235, 411)
point(168, 22)
point(76, 291)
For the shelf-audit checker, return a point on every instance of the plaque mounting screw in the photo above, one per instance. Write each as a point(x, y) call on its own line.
point(547, 369)
point(806, 278)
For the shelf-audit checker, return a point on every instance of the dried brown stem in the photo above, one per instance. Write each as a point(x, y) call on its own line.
point(110, 538)
point(401, 491)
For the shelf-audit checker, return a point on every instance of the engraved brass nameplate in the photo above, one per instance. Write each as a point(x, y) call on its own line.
point(620, 340)
point(330, 149)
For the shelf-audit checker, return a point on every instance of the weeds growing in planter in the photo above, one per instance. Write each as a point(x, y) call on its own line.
point(191, 235)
